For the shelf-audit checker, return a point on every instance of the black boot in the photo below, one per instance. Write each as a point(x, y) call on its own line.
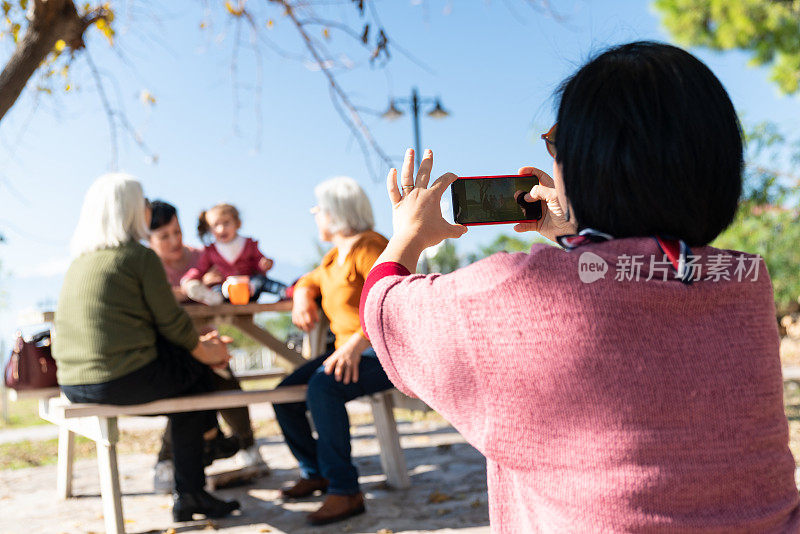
point(184, 505)
point(220, 447)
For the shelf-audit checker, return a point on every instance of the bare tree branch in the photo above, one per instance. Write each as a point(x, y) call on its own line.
point(112, 125)
point(351, 116)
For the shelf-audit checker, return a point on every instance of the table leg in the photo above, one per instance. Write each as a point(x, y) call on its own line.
point(247, 326)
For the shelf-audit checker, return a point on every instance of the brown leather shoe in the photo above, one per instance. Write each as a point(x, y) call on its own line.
point(305, 487)
point(336, 508)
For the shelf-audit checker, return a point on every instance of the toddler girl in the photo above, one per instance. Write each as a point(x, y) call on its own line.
point(231, 255)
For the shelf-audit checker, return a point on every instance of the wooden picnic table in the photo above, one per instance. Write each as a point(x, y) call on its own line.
point(99, 422)
point(242, 317)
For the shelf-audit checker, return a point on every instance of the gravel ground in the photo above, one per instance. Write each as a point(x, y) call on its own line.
point(448, 493)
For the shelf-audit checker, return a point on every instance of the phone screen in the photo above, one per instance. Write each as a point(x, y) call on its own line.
point(494, 199)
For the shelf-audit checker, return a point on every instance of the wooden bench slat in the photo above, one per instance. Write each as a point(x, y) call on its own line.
point(275, 372)
point(791, 372)
point(215, 400)
point(41, 393)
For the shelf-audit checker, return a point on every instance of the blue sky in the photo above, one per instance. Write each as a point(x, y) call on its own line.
point(495, 71)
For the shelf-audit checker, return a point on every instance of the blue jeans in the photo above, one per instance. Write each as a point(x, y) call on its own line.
point(329, 455)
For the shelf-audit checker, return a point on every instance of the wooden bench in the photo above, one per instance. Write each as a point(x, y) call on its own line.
point(98, 422)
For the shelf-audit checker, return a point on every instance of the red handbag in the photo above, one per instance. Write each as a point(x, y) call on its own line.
point(31, 365)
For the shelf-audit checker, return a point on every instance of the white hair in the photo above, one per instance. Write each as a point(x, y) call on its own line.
point(113, 213)
point(346, 204)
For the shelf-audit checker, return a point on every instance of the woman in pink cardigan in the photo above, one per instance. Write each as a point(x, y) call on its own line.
point(629, 382)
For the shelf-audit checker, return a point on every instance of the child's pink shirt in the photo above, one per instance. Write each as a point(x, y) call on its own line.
point(610, 406)
point(245, 264)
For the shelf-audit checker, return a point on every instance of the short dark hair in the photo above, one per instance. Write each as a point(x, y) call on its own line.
point(649, 144)
point(163, 212)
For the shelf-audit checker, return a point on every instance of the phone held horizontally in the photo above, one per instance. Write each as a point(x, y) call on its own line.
point(494, 200)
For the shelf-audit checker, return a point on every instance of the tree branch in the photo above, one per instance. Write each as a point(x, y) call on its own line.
point(352, 115)
point(49, 21)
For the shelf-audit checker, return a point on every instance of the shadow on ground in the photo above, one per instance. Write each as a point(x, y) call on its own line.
point(448, 492)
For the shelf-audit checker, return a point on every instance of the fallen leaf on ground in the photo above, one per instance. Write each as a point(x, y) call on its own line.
point(265, 529)
point(437, 497)
point(210, 525)
point(169, 531)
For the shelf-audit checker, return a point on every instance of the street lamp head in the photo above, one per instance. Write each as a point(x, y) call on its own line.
point(438, 112)
point(392, 113)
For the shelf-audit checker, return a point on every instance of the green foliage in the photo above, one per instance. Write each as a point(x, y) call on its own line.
point(446, 259)
point(773, 233)
point(240, 341)
point(22, 413)
point(506, 243)
point(768, 222)
point(769, 29)
point(279, 324)
point(768, 150)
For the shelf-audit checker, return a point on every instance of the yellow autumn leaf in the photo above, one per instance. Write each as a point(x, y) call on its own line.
point(147, 98)
point(270, 23)
point(67, 88)
point(109, 12)
point(60, 44)
point(106, 29)
point(235, 11)
point(326, 33)
point(203, 25)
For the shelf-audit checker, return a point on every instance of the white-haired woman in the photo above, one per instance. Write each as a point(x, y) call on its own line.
point(344, 217)
point(121, 337)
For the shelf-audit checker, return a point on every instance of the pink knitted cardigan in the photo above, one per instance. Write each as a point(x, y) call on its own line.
point(604, 406)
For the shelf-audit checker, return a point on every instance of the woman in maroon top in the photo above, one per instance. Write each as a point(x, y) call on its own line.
point(166, 240)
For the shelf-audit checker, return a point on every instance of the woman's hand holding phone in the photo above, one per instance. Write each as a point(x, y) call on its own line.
point(416, 212)
point(554, 220)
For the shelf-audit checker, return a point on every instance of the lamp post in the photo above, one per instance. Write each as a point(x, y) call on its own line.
point(414, 103)
point(437, 112)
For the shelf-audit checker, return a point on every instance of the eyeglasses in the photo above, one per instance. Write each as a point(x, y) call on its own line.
point(550, 140)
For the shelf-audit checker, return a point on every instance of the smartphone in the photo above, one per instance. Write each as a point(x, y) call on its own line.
point(494, 200)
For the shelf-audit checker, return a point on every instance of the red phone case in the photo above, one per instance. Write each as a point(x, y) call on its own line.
point(494, 222)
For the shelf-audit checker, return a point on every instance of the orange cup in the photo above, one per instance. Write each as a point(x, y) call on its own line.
point(238, 289)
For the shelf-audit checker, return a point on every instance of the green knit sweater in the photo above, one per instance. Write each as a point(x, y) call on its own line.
point(112, 304)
